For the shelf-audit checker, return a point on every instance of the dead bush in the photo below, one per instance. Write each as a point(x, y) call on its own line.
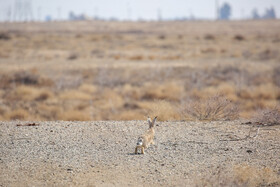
point(161, 37)
point(136, 57)
point(216, 107)
point(4, 36)
point(209, 37)
point(26, 77)
point(73, 56)
point(268, 116)
point(239, 37)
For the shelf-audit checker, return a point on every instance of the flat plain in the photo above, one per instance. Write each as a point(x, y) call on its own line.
point(74, 97)
point(96, 70)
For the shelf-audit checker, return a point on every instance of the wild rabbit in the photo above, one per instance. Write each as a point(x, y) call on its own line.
point(146, 139)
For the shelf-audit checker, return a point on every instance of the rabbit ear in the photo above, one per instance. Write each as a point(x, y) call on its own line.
point(154, 120)
point(149, 120)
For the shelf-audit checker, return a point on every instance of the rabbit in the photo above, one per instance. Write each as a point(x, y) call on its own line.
point(146, 139)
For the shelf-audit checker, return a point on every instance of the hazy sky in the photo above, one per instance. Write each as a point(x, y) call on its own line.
point(145, 9)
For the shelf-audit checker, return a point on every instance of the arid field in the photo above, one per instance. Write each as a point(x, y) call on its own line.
point(96, 70)
point(73, 97)
point(101, 153)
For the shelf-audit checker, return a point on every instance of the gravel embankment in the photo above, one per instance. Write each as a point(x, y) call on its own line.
point(101, 153)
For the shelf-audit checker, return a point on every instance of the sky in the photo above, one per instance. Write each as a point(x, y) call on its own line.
point(138, 9)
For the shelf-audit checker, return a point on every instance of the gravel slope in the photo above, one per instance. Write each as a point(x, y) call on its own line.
point(101, 153)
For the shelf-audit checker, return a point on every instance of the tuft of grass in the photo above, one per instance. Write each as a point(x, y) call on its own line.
point(73, 56)
point(216, 107)
point(5, 36)
point(209, 37)
point(239, 37)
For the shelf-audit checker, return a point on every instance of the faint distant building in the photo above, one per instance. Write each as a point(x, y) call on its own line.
point(269, 13)
point(255, 14)
point(73, 17)
point(48, 18)
point(225, 11)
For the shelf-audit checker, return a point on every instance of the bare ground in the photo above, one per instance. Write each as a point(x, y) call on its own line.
point(101, 154)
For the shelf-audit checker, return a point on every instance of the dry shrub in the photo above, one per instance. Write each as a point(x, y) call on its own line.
point(18, 114)
point(74, 115)
point(268, 116)
point(165, 110)
point(26, 77)
point(74, 95)
point(239, 37)
point(209, 50)
point(209, 37)
point(162, 37)
point(216, 107)
point(241, 175)
point(73, 56)
point(29, 78)
point(136, 57)
point(4, 36)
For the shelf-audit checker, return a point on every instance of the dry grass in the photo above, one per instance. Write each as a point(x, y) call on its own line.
point(121, 70)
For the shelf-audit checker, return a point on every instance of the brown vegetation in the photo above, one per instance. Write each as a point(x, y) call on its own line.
point(216, 107)
point(130, 69)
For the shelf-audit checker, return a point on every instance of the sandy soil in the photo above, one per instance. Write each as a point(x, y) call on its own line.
point(101, 153)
